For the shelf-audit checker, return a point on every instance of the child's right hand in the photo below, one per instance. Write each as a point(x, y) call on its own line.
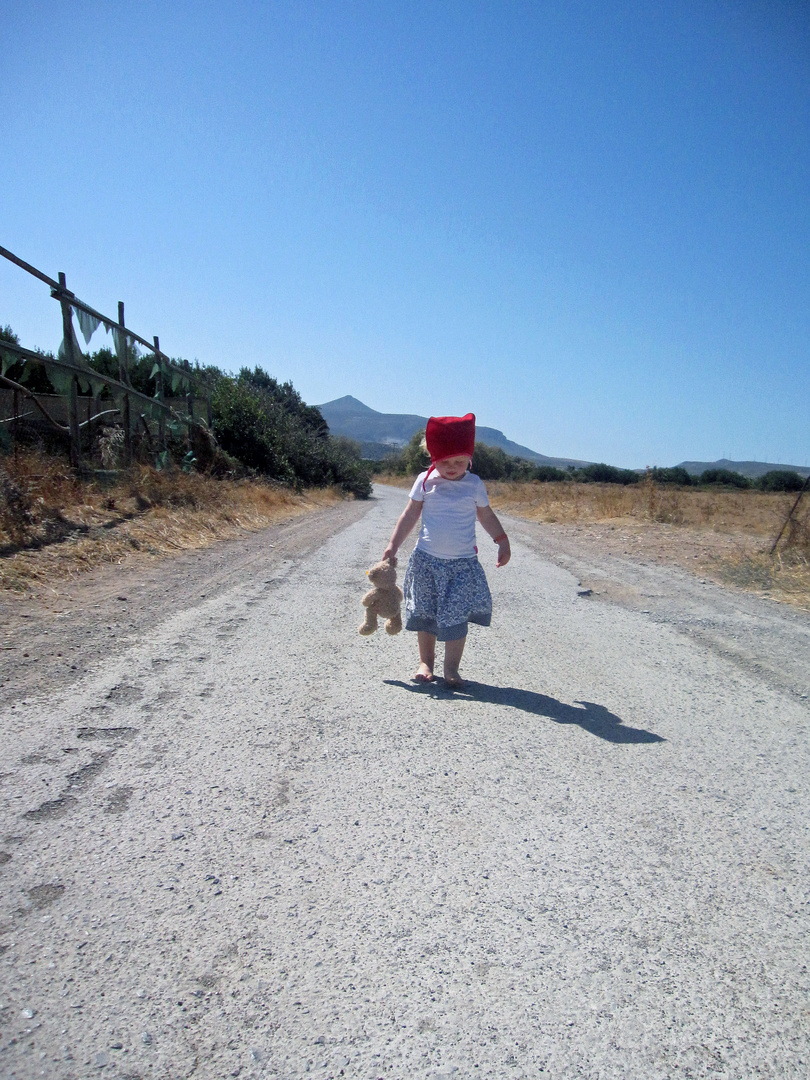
point(390, 554)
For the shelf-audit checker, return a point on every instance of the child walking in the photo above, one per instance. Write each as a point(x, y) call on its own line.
point(445, 586)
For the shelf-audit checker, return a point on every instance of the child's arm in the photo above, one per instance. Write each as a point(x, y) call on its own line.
point(486, 515)
point(407, 519)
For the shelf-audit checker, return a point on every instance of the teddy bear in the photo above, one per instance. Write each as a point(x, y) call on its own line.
point(383, 600)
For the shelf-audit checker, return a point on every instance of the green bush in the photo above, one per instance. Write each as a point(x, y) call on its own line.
point(414, 456)
point(488, 462)
point(269, 429)
point(676, 475)
point(723, 478)
point(780, 480)
point(285, 395)
point(249, 426)
point(347, 468)
point(492, 463)
point(601, 473)
point(547, 474)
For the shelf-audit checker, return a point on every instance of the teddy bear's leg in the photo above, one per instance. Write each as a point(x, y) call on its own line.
point(394, 624)
point(370, 624)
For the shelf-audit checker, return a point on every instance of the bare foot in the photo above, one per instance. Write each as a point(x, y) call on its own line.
point(452, 678)
point(423, 674)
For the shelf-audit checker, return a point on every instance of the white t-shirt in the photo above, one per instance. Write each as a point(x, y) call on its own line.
point(449, 514)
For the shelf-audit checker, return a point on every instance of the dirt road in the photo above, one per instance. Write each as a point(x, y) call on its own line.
point(237, 841)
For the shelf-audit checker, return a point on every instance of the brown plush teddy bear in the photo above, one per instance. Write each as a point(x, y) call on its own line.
point(383, 600)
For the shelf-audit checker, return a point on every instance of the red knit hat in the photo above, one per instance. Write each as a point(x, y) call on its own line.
point(450, 436)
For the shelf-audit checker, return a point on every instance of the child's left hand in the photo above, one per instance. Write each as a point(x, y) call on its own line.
point(504, 552)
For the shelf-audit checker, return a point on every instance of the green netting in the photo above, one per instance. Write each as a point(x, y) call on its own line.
point(153, 412)
point(181, 381)
point(88, 323)
point(7, 360)
point(60, 380)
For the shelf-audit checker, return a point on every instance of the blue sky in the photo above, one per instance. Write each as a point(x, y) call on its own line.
point(587, 222)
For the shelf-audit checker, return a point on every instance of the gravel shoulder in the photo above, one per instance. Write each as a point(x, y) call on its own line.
point(237, 841)
point(755, 634)
point(52, 643)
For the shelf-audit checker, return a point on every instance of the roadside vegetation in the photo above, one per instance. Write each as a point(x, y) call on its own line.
point(55, 525)
point(719, 523)
point(266, 455)
point(260, 427)
point(492, 463)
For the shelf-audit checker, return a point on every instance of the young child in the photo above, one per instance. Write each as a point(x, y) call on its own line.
point(445, 586)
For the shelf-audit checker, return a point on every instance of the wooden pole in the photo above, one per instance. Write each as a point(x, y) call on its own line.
point(190, 395)
point(161, 397)
point(123, 376)
point(97, 404)
point(16, 425)
point(190, 406)
point(67, 336)
point(789, 518)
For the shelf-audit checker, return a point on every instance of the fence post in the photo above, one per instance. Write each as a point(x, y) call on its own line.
point(16, 426)
point(190, 395)
point(67, 337)
point(123, 376)
point(190, 400)
point(161, 396)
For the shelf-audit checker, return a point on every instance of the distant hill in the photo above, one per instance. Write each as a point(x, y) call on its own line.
point(752, 469)
point(380, 433)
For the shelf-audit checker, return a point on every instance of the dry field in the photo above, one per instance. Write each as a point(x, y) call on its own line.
point(53, 526)
point(717, 533)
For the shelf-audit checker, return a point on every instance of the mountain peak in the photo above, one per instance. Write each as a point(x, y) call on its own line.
point(347, 406)
point(377, 431)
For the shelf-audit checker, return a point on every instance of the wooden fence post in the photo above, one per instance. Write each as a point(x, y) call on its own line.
point(16, 425)
point(123, 376)
point(190, 396)
point(161, 397)
point(67, 337)
point(190, 405)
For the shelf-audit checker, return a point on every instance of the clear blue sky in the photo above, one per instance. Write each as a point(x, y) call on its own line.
point(589, 223)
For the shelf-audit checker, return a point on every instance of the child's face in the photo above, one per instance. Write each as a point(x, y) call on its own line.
point(453, 468)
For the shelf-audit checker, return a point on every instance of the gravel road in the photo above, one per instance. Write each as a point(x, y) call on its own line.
point(239, 842)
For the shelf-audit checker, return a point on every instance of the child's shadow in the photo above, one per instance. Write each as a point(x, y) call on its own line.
point(591, 717)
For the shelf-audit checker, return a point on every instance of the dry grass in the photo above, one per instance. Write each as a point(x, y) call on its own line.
point(54, 526)
point(725, 534)
point(716, 532)
point(755, 513)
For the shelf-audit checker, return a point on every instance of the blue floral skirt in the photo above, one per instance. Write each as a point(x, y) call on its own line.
point(443, 595)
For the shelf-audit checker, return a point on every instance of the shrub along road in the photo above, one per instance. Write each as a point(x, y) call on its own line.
point(241, 843)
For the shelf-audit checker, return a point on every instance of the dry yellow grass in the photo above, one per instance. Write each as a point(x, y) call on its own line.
point(726, 534)
point(755, 513)
point(54, 526)
point(713, 531)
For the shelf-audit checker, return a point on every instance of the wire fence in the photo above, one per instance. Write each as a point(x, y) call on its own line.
point(143, 418)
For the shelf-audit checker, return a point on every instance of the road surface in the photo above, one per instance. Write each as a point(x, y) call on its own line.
point(238, 841)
